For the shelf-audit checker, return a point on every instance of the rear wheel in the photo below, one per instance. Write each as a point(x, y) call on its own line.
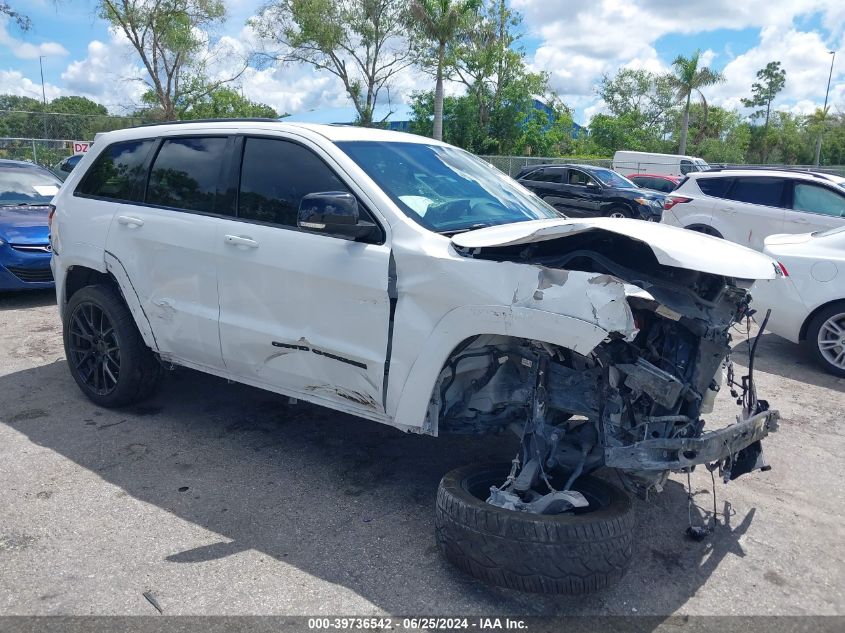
point(570, 553)
point(707, 230)
point(105, 352)
point(826, 338)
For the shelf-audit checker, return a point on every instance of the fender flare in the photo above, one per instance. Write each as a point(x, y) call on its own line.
point(464, 322)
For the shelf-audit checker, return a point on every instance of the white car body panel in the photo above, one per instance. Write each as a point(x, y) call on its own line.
point(816, 267)
point(670, 246)
point(219, 310)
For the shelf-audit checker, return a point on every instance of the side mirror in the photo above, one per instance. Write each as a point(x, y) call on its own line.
point(334, 213)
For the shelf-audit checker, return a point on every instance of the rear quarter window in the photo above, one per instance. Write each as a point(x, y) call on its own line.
point(715, 187)
point(118, 173)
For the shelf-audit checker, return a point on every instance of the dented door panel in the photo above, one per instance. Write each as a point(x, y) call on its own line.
point(306, 313)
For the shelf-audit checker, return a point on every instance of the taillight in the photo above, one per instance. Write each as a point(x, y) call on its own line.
point(783, 269)
point(671, 201)
point(50, 216)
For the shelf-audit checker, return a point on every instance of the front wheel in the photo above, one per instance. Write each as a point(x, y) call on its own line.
point(570, 553)
point(826, 338)
point(105, 352)
point(619, 212)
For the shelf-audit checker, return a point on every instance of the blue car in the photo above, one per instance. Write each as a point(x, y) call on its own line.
point(25, 194)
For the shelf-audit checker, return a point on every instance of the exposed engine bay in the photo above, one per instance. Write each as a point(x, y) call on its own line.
point(634, 403)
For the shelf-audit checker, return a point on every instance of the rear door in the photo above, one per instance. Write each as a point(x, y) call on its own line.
point(549, 185)
point(300, 312)
point(583, 200)
point(814, 207)
point(165, 243)
point(754, 209)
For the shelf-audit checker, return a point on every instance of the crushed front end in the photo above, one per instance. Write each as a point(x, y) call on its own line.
point(636, 402)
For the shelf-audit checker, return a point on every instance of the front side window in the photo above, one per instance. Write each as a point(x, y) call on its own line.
point(118, 172)
point(186, 174)
point(611, 179)
point(275, 175)
point(763, 190)
point(445, 189)
point(816, 199)
point(578, 178)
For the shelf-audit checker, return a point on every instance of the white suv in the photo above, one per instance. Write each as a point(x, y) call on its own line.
point(748, 205)
point(351, 268)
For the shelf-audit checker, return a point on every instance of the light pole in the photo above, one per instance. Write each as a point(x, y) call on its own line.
point(43, 92)
point(824, 111)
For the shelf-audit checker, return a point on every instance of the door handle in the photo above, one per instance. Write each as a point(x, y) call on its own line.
point(239, 241)
point(128, 220)
point(801, 221)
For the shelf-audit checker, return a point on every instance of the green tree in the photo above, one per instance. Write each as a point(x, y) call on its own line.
point(227, 103)
point(167, 36)
point(364, 43)
point(22, 21)
point(690, 77)
point(440, 22)
point(772, 80)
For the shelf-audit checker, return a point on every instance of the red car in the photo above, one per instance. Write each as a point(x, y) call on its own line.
point(657, 182)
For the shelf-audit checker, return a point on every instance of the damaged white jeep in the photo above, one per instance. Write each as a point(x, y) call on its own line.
point(405, 281)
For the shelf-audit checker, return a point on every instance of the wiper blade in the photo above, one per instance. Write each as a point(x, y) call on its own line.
point(452, 232)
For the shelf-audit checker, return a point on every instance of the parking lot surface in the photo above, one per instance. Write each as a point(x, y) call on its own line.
point(216, 498)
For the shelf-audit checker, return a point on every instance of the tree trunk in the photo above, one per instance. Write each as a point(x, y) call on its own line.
point(766, 133)
point(438, 94)
point(682, 149)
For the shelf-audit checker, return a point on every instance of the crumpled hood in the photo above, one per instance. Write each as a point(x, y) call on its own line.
point(24, 225)
point(671, 246)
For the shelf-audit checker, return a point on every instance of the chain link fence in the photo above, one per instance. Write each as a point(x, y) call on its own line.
point(44, 152)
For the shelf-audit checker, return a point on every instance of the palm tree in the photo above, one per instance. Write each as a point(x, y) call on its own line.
point(689, 78)
point(440, 21)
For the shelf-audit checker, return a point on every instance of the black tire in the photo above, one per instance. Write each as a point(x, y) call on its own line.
point(618, 211)
point(814, 327)
point(707, 230)
point(554, 554)
point(138, 372)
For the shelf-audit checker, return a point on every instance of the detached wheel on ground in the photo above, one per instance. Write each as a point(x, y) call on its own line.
point(105, 352)
point(571, 553)
point(826, 338)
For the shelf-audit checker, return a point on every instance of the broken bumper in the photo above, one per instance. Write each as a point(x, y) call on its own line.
point(679, 453)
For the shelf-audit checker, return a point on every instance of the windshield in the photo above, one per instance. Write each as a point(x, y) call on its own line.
point(445, 189)
point(612, 179)
point(702, 165)
point(27, 185)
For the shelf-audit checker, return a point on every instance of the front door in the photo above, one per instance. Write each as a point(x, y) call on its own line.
point(303, 313)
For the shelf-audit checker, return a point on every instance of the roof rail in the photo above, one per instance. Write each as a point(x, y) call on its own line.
point(229, 120)
point(792, 170)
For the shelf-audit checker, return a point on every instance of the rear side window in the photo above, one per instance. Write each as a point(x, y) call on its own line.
point(551, 175)
point(118, 172)
point(716, 187)
point(816, 199)
point(687, 166)
point(758, 190)
point(534, 174)
point(275, 175)
point(186, 174)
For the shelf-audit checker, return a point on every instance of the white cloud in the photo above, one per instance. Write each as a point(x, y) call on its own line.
point(13, 82)
point(589, 38)
point(109, 74)
point(27, 50)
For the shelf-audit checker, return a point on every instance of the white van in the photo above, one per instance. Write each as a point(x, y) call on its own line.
point(651, 163)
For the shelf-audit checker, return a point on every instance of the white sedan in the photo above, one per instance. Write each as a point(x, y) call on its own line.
point(808, 303)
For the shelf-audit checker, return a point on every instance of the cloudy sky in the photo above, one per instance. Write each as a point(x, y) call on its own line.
point(576, 41)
